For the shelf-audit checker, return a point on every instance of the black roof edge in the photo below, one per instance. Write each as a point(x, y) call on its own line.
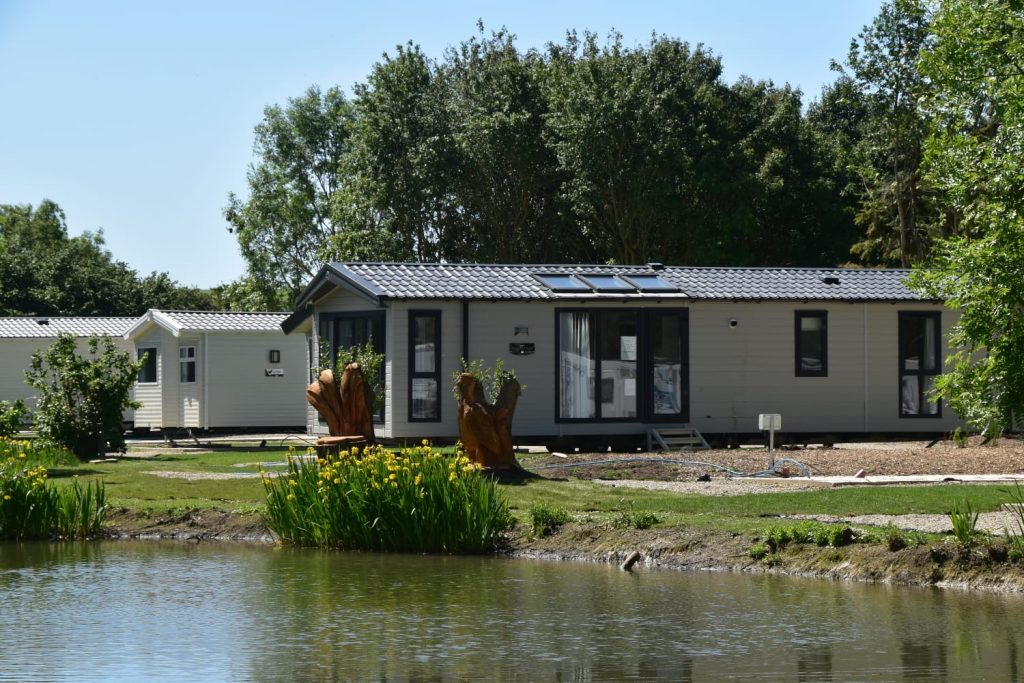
point(289, 324)
point(338, 275)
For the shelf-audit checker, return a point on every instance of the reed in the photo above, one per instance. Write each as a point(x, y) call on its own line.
point(30, 507)
point(414, 500)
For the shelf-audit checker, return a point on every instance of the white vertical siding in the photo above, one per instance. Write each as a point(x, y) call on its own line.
point(240, 394)
point(150, 395)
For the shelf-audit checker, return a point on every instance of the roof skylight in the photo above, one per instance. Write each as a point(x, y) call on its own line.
point(650, 283)
point(560, 282)
point(607, 283)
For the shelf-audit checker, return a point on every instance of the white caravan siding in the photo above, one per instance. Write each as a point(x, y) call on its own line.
point(240, 393)
point(16, 357)
point(735, 372)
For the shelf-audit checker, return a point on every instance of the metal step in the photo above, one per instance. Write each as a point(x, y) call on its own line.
point(676, 438)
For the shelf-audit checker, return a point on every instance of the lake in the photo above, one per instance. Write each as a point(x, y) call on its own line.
point(130, 611)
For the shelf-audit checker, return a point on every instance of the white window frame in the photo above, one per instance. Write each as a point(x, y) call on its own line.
point(184, 358)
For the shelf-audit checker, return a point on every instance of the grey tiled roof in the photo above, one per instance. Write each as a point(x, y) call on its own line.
point(516, 282)
point(224, 321)
point(34, 328)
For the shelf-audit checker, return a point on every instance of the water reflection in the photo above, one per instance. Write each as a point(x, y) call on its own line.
point(127, 611)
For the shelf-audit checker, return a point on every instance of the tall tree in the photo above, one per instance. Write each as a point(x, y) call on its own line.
point(899, 213)
point(506, 179)
point(976, 66)
point(286, 228)
point(401, 158)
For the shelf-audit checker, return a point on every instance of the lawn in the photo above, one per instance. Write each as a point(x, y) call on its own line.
point(131, 483)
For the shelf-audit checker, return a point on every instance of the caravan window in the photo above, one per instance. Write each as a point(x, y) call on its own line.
point(424, 366)
point(920, 363)
point(147, 373)
point(811, 338)
point(187, 364)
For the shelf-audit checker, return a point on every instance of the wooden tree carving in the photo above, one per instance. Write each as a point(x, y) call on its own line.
point(345, 407)
point(485, 429)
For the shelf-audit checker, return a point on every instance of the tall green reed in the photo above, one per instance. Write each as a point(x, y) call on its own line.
point(416, 500)
point(30, 507)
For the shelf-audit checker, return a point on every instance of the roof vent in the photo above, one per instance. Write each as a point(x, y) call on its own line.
point(656, 266)
point(42, 321)
point(830, 280)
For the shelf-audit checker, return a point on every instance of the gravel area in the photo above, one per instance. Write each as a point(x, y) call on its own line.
point(993, 522)
point(718, 487)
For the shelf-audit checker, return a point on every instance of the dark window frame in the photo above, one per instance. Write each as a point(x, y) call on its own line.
point(798, 341)
point(903, 318)
point(151, 358)
point(645, 400)
point(330, 318)
point(413, 374)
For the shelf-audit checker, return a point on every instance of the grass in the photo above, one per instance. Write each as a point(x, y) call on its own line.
point(130, 484)
point(31, 507)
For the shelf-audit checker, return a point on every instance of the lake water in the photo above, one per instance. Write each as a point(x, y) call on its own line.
point(131, 611)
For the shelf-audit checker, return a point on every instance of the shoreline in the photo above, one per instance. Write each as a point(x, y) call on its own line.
point(941, 565)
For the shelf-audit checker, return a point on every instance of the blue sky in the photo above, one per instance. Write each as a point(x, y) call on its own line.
point(137, 117)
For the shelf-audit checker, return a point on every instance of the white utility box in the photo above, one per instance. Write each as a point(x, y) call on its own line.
point(767, 422)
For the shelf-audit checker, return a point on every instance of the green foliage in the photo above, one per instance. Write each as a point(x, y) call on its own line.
point(545, 519)
point(414, 501)
point(490, 378)
point(82, 399)
point(973, 154)
point(31, 508)
point(631, 519)
point(810, 533)
point(46, 272)
point(758, 551)
point(371, 363)
point(12, 416)
point(964, 519)
point(36, 452)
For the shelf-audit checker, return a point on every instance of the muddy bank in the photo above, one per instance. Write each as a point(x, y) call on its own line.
point(942, 565)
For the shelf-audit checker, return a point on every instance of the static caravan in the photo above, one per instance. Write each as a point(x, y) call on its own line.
point(614, 351)
point(21, 337)
point(218, 370)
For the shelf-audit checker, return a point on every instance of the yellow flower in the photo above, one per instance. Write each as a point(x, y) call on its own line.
point(292, 482)
point(426, 442)
point(392, 476)
point(337, 480)
point(418, 479)
point(394, 484)
point(291, 496)
point(451, 477)
point(7, 497)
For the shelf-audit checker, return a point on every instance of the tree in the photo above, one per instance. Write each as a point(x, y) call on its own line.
point(82, 399)
point(286, 228)
point(900, 212)
point(46, 272)
point(976, 67)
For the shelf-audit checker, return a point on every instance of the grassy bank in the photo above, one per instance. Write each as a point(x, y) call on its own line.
point(172, 495)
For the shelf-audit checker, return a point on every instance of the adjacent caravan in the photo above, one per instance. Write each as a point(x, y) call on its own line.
point(612, 351)
point(21, 337)
point(218, 370)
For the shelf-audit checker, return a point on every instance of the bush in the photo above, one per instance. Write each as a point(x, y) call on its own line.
point(810, 533)
point(32, 453)
point(965, 522)
point(545, 519)
point(758, 551)
point(32, 508)
point(371, 364)
point(374, 499)
point(630, 519)
point(12, 416)
point(82, 399)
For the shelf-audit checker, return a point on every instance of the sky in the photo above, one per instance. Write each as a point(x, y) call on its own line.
point(137, 117)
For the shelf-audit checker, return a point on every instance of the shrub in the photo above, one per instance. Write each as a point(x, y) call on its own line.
point(32, 508)
point(371, 364)
point(1015, 549)
point(758, 551)
point(810, 533)
point(630, 519)
point(82, 399)
point(416, 500)
point(12, 415)
point(32, 453)
point(965, 522)
point(490, 379)
point(545, 519)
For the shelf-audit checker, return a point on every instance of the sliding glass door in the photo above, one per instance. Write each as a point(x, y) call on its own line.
point(622, 365)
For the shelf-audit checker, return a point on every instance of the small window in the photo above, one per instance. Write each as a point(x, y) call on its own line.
point(187, 364)
point(811, 344)
point(607, 283)
point(147, 373)
point(563, 283)
point(275, 356)
point(650, 283)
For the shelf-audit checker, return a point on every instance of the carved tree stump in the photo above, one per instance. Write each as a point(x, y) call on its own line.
point(485, 429)
point(345, 407)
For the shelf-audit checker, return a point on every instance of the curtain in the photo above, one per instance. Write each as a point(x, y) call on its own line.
point(576, 366)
